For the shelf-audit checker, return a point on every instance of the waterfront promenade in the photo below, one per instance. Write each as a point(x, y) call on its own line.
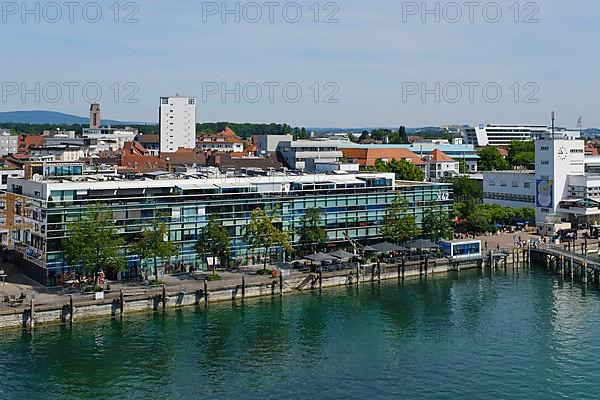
point(187, 289)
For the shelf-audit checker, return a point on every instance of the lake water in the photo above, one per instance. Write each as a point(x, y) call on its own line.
point(475, 336)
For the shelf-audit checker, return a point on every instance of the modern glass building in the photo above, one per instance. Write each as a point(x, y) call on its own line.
point(40, 209)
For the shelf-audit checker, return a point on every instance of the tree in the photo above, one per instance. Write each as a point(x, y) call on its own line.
point(463, 168)
point(155, 244)
point(467, 189)
point(313, 235)
point(261, 233)
point(214, 240)
point(521, 154)
point(404, 170)
point(399, 224)
point(526, 159)
point(93, 243)
point(403, 137)
point(437, 224)
point(492, 160)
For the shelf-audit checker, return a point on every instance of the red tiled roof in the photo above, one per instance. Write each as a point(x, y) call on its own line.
point(368, 156)
point(439, 156)
point(28, 142)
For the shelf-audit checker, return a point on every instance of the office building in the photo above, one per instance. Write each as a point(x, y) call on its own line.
point(459, 152)
point(296, 153)
point(505, 134)
point(40, 209)
point(177, 121)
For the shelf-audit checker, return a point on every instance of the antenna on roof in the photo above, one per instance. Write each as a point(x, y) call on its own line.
point(553, 120)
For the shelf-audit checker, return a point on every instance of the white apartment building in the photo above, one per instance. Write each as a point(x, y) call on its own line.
point(296, 153)
point(177, 120)
point(110, 138)
point(9, 143)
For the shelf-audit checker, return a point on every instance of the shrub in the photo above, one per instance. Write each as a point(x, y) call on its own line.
point(264, 272)
point(215, 277)
point(93, 289)
point(157, 283)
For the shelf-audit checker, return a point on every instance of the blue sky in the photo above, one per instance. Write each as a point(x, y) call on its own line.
point(366, 62)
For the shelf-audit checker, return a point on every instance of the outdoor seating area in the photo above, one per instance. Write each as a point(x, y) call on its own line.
point(14, 301)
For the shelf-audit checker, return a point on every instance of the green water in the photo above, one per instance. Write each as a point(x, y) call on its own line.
point(473, 337)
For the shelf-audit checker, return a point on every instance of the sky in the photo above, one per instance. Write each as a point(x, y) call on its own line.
point(350, 63)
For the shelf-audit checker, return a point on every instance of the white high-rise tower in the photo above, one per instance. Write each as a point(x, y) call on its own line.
point(177, 119)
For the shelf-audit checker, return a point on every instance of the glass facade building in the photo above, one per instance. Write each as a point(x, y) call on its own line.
point(39, 212)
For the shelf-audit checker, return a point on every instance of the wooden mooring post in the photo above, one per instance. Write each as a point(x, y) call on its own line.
point(31, 313)
point(243, 287)
point(205, 292)
point(280, 283)
point(122, 302)
point(72, 309)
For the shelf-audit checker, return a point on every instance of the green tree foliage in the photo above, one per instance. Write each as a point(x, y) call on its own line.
point(403, 136)
point(404, 170)
point(437, 224)
point(526, 160)
point(400, 225)
point(262, 233)
point(481, 218)
point(492, 160)
point(467, 189)
point(155, 244)
point(388, 136)
point(313, 235)
point(246, 130)
point(214, 241)
point(93, 243)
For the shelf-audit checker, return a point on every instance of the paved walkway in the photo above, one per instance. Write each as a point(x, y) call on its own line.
point(17, 283)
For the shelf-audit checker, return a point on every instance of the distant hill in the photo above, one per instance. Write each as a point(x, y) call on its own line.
point(50, 117)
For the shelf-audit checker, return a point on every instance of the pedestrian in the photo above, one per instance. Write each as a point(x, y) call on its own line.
point(486, 245)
